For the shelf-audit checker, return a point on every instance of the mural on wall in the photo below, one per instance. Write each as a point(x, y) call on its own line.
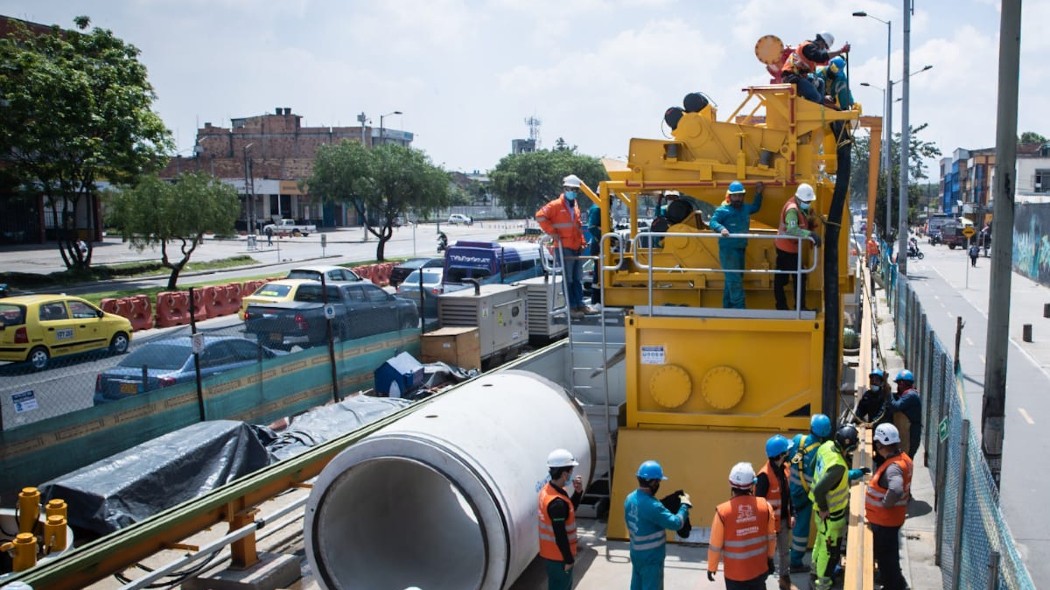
point(1031, 255)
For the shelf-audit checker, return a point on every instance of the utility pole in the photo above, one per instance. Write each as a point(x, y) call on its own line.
point(902, 214)
point(993, 407)
point(250, 197)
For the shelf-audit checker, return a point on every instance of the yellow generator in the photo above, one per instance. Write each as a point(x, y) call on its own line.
point(706, 386)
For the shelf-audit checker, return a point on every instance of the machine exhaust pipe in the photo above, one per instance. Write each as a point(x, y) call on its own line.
point(446, 497)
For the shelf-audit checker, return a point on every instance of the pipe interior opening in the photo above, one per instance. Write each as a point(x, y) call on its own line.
point(394, 523)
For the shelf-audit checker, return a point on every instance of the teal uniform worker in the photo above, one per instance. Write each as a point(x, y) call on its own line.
point(647, 524)
point(734, 217)
point(800, 480)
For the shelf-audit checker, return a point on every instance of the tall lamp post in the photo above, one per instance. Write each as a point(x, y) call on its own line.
point(249, 177)
point(382, 139)
point(887, 105)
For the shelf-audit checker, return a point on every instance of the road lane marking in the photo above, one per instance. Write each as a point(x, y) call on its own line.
point(968, 341)
point(1026, 417)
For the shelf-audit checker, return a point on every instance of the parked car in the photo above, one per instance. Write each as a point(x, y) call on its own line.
point(459, 218)
point(35, 328)
point(410, 290)
point(279, 291)
point(169, 361)
point(289, 226)
point(399, 272)
point(361, 309)
point(332, 274)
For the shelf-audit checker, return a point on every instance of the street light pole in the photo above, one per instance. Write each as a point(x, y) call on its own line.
point(887, 145)
point(381, 117)
point(902, 219)
point(250, 200)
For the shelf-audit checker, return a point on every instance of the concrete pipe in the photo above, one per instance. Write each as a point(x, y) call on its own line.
point(445, 498)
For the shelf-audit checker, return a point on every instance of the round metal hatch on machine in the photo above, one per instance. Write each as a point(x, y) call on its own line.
point(722, 387)
point(670, 386)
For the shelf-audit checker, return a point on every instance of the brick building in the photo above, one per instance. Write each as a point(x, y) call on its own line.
point(270, 156)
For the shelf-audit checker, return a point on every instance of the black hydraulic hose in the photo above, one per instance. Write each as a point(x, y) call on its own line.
point(832, 312)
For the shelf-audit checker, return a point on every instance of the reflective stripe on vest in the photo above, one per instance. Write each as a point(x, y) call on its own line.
point(775, 494)
point(827, 457)
point(894, 515)
point(790, 244)
point(646, 542)
point(745, 520)
point(556, 218)
point(798, 63)
point(548, 547)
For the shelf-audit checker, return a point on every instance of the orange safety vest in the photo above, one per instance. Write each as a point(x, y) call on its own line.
point(745, 548)
point(873, 247)
point(798, 63)
point(555, 219)
point(790, 244)
point(548, 548)
point(891, 516)
point(775, 494)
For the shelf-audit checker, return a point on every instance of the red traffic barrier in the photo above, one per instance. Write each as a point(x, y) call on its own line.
point(109, 305)
point(173, 309)
point(141, 313)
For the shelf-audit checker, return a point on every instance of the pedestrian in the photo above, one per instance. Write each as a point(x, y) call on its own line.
point(803, 62)
point(873, 251)
point(873, 406)
point(647, 523)
point(830, 495)
point(560, 219)
point(975, 251)
point(743, 534)
point(886, 505)
point(772, 484)
point(803, 461)
point(557, 519)
point(906, 407)
point(733, 217)
point(268, 230)
point(795, 223)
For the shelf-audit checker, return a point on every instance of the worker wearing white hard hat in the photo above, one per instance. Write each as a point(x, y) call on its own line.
point(737, 542)
point(886, 504)
point(561, 219)
point(803, 62)
point(557, 519)
point(795, 222)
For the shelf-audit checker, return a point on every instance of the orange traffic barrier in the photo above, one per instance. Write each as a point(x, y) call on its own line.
point(365, 272)
point(200, 305)
point(382, 278)
point(124, 307)
point(141, 313)
point(210, 296)
point(109, 305)
point(232, 295)
point(173, 308)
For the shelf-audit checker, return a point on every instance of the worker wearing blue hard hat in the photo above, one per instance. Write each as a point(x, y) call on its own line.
point(873, 404)
point(772, 484)
point(906, 408)
point(734, 217)
point(647, 522)
point(803, 459)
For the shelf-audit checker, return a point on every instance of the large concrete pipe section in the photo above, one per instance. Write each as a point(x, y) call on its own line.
point(445, 498)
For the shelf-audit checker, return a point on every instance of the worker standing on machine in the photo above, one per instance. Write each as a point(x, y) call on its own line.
point(830, 495)
point(647, 523)
point(733, 217)
point(801, 480)
point(557, 519)
point(886, 504)
point(560, 219)
point(772, 484)
point(743, 534)
point(794, 222)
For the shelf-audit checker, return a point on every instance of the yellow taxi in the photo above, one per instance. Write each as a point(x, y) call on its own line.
point(35, 328)
point(279, 291)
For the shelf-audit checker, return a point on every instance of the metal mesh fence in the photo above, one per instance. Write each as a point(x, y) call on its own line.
point(973, 540)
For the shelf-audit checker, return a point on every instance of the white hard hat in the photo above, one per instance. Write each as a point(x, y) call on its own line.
point(561, 458)
point(887, 434)
point(805, 193)
point(571, 180)
point(742, 475)
point(827, 37)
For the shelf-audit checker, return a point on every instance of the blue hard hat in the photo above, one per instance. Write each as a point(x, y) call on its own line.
point(905, 375)
point(777, 445)
point(736, 187)
point(878, 372)
point(651, 470)
point(837, 64)
point(820, 425)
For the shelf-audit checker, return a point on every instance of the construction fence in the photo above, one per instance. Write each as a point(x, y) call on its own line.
point(975, 548)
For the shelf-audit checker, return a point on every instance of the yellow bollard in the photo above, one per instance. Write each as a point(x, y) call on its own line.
point(54, 534)
point(23, 551)
point(28, 509)
point(56, 508)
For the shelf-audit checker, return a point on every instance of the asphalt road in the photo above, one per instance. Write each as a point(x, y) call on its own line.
point(949, 287)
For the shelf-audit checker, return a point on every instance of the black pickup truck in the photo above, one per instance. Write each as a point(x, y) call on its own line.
point(361, 309)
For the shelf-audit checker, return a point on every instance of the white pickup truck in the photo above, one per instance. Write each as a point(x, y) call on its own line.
point(288, 226)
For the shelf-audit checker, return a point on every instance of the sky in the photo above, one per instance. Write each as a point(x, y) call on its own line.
point(467, 74)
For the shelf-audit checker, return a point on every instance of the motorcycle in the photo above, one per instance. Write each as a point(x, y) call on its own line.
point(442, 243)
point(914, 252)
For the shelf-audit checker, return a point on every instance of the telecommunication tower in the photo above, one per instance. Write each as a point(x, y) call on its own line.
point(534, 130)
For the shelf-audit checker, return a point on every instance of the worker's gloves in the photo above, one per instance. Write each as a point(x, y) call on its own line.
point(769, 565)
point(816, 239)
point(855, 474)
point(710, 576)
point(685, 499)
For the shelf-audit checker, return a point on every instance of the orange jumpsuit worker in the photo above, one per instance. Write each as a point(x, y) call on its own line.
point(743, 534)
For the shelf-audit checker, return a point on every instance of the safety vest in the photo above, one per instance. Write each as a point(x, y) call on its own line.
point(555, 218)
point(873, 247)
point(745, 548)
point(790, 244)
point(892, 516)
point(802, 462)
point(775, 495)
point(798, 63)
point(828, 456)
point(548, 547)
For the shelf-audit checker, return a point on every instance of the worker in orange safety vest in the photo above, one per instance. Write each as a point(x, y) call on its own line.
point(886, 504)
point(560, 219)
point(557, 519)
point(743, 535)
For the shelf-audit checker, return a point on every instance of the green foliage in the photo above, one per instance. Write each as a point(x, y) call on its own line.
point(1032, 137)
point(382, 183)
point(159, 213)
point(524, 182)
point(78, 108)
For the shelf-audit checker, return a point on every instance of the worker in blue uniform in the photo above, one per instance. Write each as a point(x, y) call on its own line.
point(647, 524)
point(800, 481)
point(734, 217)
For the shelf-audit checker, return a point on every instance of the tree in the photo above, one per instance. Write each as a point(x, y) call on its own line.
point(920, 152)
point(382, 183)
point(524, 182)
point(1032, 137)
point(77, 108)
point(160, 213)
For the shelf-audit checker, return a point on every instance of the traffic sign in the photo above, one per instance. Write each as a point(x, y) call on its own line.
point(969, 231)
point(329, 312)
point(942, 430)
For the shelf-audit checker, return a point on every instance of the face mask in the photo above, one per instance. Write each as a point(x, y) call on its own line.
point(876, 387)
point(804, 206)
point(570, 195)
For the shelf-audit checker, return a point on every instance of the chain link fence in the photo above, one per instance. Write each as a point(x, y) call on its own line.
point(975, 548)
